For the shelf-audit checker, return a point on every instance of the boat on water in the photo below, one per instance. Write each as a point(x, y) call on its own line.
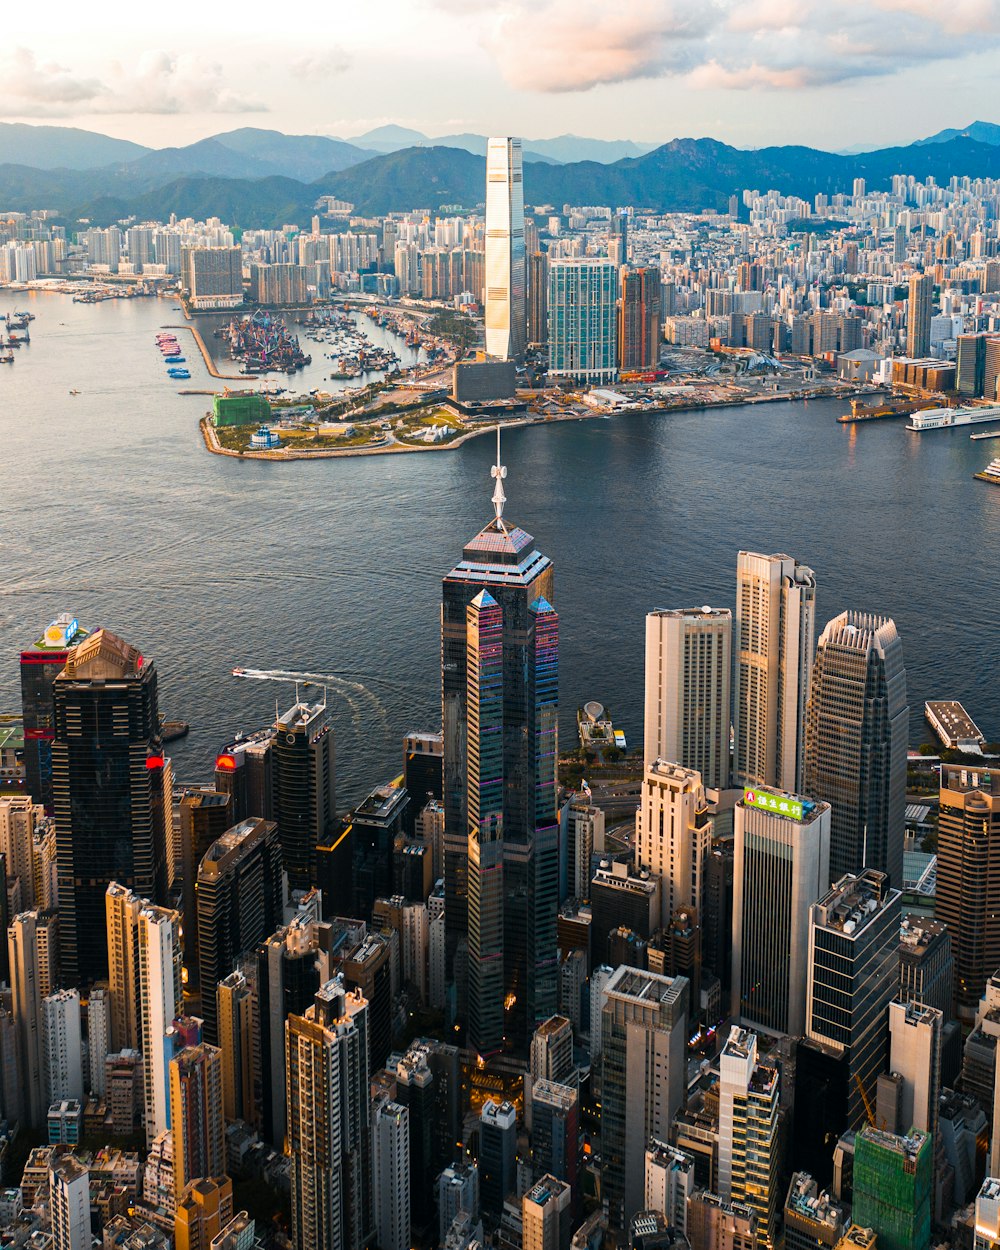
point(74, 392)
point(986, 434)
point(175, 360)
point(6, 358)
point(946, 418)
point(991, 473)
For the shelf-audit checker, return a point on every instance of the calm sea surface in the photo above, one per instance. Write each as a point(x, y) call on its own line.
point(111, 508)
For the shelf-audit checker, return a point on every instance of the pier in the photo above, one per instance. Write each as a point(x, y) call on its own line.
point(206, 356)
point(954, 726)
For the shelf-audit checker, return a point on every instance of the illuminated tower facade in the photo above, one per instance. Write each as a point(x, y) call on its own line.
point(499, 650)
point(505, 261)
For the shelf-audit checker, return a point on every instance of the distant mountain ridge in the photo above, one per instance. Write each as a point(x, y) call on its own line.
point(980, 132)
point(242, 176)
point(564, 149)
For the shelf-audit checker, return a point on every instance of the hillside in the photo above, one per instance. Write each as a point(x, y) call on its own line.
point(62, 147)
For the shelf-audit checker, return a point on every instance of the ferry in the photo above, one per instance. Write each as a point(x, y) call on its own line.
point(945, 418)
point(991, 473)
point(985, 434)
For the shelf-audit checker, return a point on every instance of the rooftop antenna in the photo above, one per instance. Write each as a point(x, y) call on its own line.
point(498, 473)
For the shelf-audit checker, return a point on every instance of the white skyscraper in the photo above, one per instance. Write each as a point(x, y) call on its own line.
point(160, 981)
point(774, 642)
point(505, 264)
point(674, 834)
point(63, 1046)
point(69, 1189)
point(689, 657)
point(915, 1053)
point(391, 1174)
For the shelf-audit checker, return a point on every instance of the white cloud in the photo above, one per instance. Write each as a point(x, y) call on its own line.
point(320, 65)
point(156, 82)
point(573, 45)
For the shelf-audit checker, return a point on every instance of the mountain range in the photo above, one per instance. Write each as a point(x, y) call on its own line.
point(262, 178)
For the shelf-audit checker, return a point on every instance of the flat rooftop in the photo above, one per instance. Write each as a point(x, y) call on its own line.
point(953, 724)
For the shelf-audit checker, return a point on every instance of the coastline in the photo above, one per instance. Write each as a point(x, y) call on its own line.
point(213, 445)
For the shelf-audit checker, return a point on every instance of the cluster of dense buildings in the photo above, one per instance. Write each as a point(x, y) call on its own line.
point(739, 1028)
point(727, 1032)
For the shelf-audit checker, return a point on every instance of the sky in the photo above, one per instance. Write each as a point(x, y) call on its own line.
point(827, 73)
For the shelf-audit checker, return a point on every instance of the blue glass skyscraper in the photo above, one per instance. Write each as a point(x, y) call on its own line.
point(499, 692)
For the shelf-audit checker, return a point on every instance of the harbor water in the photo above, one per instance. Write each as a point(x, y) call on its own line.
point(111, 508)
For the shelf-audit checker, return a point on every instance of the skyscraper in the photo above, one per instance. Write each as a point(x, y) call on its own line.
point(63, 1046)
point(915, 1056)
point(538, 299)
point(644, 1041)
point(505, 261)
point(69, 1193)
point(968, 889)
point(639, 319)
point(688, 675)
point(856, 737)
point(674, 835)
point(40, 665)
point(161, 1000)
point(583, 320)
point(304, 787)
point(328, 1132)
point(773, 642)
point(749, 1146)
point(893, 1187)
point(547, 1215)
point(781, 868)
point(918, 314)
point(196, 1115)
point(853, 977)
point(500, 648)
point(31, 942)
point(391, 1174)
point(236, 1033)
point(110, 791)
point(238, 892)
point(497, 1156)
point(204, 816)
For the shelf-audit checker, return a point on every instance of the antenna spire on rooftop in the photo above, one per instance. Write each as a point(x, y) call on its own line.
point(498, 473)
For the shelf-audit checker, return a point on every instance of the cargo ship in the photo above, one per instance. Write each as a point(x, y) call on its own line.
point(946, 418)
point(991, 473)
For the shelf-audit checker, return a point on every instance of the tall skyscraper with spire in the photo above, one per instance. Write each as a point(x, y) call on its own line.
point(499, 695)
point(506, 311)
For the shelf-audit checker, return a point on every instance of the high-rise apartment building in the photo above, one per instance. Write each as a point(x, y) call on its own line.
point(773, 645)
point(639, 333)
point(856, 739)
point(111, 793)
point(69, 1196)
point(918, 315)
point(500, 655)
point(968, 867)
point(19, 818)
point(161, 1001)
point(674, 835)
point(212, 276)
point(582, 833)
point(643, 1048)
point(715, 1224)
point(328, 1131)
point(202, 1210)
point(893, 1187)
point(687, 704)
point(63, 1046)
point(505, 260)
point(538, 299)
point(196, 1120)
point(391, 1174)
point(238, 896)
point(749, 1147)
point(583, 325)
point(669, 1181)
point(32, 946)
point(304, 793)
point(781, 867)
point(853, 977)
point(986, 1229)
point(236, 1039)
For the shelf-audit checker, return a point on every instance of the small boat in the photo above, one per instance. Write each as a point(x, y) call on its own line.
point(74, 392)
point(991, 473)
point(171, 730)
point(6, 358)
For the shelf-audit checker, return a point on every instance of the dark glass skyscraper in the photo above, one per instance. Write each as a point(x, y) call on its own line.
point(110, 794)
point(856, 734)
point(499, 689)
point(304, 798)
point(40, 666)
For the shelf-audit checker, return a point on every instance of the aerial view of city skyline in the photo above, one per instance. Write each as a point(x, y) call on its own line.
point(499, 721)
